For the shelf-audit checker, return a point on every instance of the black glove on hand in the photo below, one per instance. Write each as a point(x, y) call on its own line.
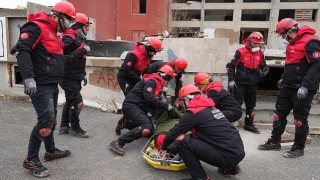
point(87, 48)
point(264, 71)
point(302, 92)
point(30, 86)
point(80, 38)
point(85, 80)
point(280, 84)
point(232, 85)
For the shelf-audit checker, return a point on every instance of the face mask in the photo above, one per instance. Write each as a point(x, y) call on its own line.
point(256, 49)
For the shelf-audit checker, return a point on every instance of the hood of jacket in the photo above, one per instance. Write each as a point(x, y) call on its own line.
point(44, 18)
point(199, 103)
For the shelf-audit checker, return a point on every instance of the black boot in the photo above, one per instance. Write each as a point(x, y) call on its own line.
point(75, 129)
point(122, 124)
point(248, 121)
point(35, 166)
point(270, 145)
point(118, 149)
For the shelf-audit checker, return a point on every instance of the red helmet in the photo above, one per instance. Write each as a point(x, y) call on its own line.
point(187, 90)
point(155, 43)
point(181, 63)
point(82, 18)
point(202, 78)
point(65, 8)
point(285, 24)
point(167, 70)
point(256, 37)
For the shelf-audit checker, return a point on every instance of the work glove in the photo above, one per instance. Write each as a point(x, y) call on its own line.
point(302, 92)
point(170, 107)
point(87, 48)
point(264, 71)
point(232, 84)
point(80, 38)
point(30, 86)
point(85, 80)
point(163, 98)
point(280, 84)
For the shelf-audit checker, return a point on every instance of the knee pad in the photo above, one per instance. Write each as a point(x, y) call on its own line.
point(143, 132)
point(80, 105)
point(297, 123)
point(42, 129)
point(76, 109)
point(253, 113)
point(276, 117)
point(44, 132)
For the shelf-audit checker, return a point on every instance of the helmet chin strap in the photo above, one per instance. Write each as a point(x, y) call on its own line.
point(83, 31)
point(63, 28)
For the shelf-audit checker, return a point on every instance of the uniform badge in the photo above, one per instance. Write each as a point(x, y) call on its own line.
point(149, 89)
point(129, 63)
point(316, 54)
point(24, 35)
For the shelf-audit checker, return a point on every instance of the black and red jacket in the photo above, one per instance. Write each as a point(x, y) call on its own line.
point(145, 94)
point(135, 63)
point(75, 61)
point(40, 50)
point(154, 67)
point(209, 125)
point(225, 102)
point(245, 65)
point(302, 64)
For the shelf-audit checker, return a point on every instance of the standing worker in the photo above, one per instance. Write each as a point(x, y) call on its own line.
point(74, 74)
point(136, 62)
point(40, 58)
point(178, 65)
point(223, 100)
point(141, 100)
point(298, 85)
point(244, 70)
point(214, 139)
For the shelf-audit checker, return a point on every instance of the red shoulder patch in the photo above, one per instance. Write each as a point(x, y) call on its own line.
point(129, 63)
point(316, 54)
point(24, 35)
point(149, 89)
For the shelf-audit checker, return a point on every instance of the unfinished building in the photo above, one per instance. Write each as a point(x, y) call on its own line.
point(236, 19)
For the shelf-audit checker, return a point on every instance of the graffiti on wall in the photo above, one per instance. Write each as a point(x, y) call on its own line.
point(105, 78)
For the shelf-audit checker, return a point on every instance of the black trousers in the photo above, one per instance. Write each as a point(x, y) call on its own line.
point(195, 150)
point(125, 83)
point(248, 95)
point(286, 101)
point(73, 96)
point(138, 121)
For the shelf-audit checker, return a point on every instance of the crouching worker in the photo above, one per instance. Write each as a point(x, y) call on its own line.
point(224, 101)
point(214, 139)
point(138, 103)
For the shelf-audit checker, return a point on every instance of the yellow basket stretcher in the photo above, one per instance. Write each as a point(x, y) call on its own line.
point(161, 160)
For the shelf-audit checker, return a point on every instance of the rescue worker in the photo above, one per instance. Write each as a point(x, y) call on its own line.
point(214, 139)
point(134, 65)
point(136, 62)
point(138, 104)
point(223, 100)
point(298, 85)
point(178, 65)
point(74, 74)
point(40, 58)
point(244, 70)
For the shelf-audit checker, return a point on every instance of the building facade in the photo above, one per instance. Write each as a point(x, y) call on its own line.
point(236, 19)
point(126, 19)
